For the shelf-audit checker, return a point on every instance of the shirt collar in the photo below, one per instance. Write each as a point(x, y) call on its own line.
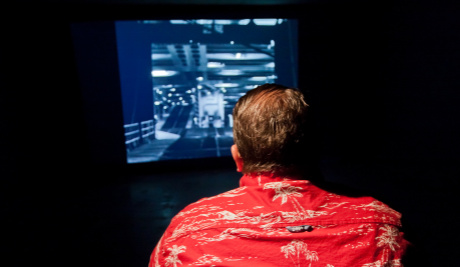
point(260, 178)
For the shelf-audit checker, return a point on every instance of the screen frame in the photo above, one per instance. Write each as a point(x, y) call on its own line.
point(110, 152)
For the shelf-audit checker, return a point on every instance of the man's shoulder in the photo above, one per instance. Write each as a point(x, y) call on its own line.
point(360, 208)
point(213, 205)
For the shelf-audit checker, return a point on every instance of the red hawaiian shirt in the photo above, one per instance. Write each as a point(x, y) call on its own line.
point(276, 221)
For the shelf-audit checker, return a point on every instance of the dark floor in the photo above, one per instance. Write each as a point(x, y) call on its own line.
point(118, 223)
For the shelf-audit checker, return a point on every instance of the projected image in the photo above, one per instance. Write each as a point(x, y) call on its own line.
point(181, 79)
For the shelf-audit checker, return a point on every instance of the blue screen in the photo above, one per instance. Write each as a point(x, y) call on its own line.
point(180, 79)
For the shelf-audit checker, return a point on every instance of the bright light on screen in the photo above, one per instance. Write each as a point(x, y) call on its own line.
point(181, 78)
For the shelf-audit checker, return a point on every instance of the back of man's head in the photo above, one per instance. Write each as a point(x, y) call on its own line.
point(270, 129)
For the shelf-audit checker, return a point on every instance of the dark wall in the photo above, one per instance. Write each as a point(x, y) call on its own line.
point(385, 88)
point(383, 81)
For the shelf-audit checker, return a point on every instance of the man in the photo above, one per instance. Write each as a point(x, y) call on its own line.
point(278, 216)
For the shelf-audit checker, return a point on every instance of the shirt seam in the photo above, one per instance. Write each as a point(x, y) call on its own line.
point(298, 223)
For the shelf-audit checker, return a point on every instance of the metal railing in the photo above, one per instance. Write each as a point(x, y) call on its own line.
point(139, 133)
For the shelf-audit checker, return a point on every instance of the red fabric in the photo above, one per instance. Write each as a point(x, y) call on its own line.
point(247, 227)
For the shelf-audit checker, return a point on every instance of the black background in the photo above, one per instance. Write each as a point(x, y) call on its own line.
point(383, 78)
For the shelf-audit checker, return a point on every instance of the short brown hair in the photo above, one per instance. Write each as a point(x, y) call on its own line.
point(269, 128)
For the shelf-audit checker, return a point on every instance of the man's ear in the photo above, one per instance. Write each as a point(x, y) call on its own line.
point(237, 158)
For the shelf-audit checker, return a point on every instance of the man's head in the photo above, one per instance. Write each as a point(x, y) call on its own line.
point(270, 129)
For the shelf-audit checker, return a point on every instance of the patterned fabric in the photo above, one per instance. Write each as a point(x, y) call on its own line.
point(276, 221)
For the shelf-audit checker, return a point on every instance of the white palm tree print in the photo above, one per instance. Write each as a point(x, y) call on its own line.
point(388, 240)
point(287, 192)
point(297, 251)
point(388, 237)
point(173, 258)
point(283, 191)
point(379, 263)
